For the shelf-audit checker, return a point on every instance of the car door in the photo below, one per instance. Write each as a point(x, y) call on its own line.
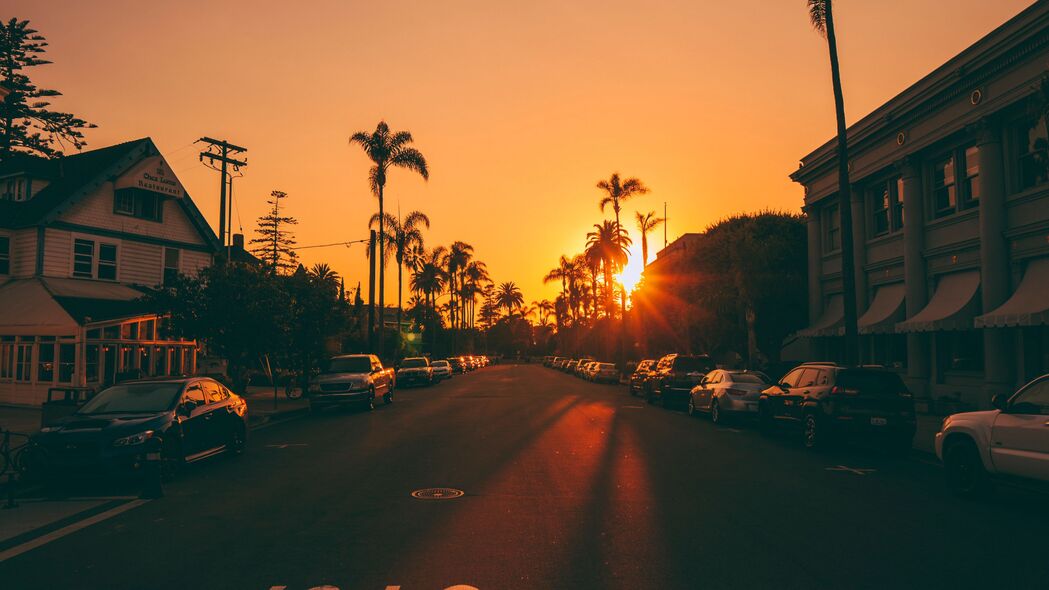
point(794, 399)
point(218, 417)
point(1020, 435)
point(194, 423)
point(779, 394)
point(705, 391)
point(382, 379)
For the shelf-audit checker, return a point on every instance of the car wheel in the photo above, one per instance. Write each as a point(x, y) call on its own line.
point(715, 412)
point(691, 406)
point(812, 433)
point(965, 473)
point(238, 442)
point(171, 460)
point(388, 398)
point(371, 401)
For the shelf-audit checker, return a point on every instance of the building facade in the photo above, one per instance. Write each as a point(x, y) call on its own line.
point(950, 221)
point(82, 239)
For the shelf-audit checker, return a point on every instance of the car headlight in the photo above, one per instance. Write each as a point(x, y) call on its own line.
point(134, 439)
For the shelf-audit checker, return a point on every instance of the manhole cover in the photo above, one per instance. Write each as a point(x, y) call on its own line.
point(437, 493)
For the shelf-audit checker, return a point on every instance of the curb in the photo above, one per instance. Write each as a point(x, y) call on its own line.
point(267, 419)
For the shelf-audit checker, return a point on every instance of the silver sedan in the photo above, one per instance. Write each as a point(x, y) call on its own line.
point(724, 394)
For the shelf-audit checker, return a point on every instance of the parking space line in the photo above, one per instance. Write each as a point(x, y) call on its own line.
point(68, 530)
point(854, 470)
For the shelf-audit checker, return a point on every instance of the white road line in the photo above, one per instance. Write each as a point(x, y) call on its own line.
point(855, 470)
point(54, 535)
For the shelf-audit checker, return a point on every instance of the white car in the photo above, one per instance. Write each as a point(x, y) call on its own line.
point(604, 373)
point(1011, 440)
point(442, 370)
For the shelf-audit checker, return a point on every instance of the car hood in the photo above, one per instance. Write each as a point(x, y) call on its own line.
point(340, 377)
point(106, 424)
point(986, 416)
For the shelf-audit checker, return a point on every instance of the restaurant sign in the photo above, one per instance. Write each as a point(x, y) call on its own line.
point(152, 174)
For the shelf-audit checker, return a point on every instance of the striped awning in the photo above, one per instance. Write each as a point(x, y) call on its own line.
point(952, 307)
point(830, 321)
point(1029, 305)
point(885, 311)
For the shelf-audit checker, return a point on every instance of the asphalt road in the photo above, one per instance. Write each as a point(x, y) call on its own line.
point(567, 485)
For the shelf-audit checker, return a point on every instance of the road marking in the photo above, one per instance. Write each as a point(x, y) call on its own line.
point(68, 530)
point(729, 430)
point(631, 407)
point(855, 470)
point(286, 445)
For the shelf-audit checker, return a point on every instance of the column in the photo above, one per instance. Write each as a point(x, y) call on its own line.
point(859, 260)
point(815, 249)
point(915, 282)
point(994, 259)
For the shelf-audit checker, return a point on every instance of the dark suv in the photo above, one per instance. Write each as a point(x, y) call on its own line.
point(826, 401)
point(674, 376)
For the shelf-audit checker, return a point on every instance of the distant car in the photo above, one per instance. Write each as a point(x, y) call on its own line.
point(604, 373)
point(827, 402)
point(558, 362)
point(351, 380)
point(570, 366)
point(728, 394)
point(187, 419)
point(415, 371)
point(442, 370)
point(580, 370)
point(638, 378)
point(1010, 441)
point(458, 366)
point(547, 360)
point(674, 376)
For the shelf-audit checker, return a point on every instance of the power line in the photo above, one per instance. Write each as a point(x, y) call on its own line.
point(219, 151)
point(347, 244)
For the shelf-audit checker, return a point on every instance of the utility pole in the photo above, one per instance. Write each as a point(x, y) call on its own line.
point(371, 292)
point(220, 151)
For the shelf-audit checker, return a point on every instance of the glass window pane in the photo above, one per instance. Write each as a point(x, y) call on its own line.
point(46, 362)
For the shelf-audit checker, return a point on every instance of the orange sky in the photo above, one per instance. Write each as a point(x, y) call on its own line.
point(519, 107)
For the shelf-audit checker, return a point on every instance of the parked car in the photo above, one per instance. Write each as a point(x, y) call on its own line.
point(352, 380)
point(458, 365)
point(727, 394)
point(604, 373)
point(570, 366)
point(581, 369)
point(1010, 441)
point(826, 401)
point(640, 375)
point(674, 376)
point(547, 360)
point(415, 370)
point(441, 370)
point(558, 363)
point(187, 419)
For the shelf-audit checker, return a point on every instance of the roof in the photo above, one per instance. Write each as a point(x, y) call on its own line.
point(77, 175)
point(51, 306)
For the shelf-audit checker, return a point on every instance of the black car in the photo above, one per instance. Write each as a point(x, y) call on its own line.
point(672, 379)
point(458, 364)
point(187, 419)
point(827, 402)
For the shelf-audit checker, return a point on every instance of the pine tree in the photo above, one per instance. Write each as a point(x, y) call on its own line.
point(275, 244)
point(26, 123)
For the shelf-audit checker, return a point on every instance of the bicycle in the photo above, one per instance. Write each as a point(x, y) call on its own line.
point(17, 458)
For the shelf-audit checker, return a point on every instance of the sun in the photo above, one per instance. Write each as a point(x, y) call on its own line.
point(631, 273)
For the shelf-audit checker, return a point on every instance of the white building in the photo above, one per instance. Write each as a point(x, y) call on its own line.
point(82, 238)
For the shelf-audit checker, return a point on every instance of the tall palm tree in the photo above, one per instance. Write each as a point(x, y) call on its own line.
point(646, 223)
point(509, 295)
point(402, 236)
point(474, 278)
point(616, 192)
point(609, 244)
point(544, 308)
point(387, 149)
point(562, 272)
point(428, 278)
point(822, 17)
point(459, 255)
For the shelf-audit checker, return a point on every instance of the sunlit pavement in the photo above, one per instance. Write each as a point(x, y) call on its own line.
point(567, 484)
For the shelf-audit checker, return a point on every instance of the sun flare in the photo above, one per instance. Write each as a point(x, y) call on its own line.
point(631, 273)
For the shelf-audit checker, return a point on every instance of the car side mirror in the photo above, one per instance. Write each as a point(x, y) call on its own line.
point(784, 386)
point(1000, 402)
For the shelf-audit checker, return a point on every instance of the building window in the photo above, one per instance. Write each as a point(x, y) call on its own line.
point(66, 362)
point(139, 203)
point(5, 255)
point(971, 179)
point(91, 363)
point(85, 257)
point(1032, 149)
point(832, 229)
point(886, 207)
point(172, 258)
point(961, 350)
point(7, 359)
point(14, 189)
point(24, 362)
point(45, 372)
point(944, 193)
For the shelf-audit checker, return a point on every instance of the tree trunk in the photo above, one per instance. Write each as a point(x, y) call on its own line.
point(848, 277)
point(382, 277)
point(400, 304)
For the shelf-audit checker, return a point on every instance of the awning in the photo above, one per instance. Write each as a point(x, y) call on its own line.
point(1029, 305)
point(830, 322)
point(885, 311)
point(952, 307)
point(27, 309)
point(89, 301)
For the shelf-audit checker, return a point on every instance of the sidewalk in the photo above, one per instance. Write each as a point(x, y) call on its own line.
point(261, 410)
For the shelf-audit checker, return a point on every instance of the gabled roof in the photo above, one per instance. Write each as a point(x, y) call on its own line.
point(72, 177)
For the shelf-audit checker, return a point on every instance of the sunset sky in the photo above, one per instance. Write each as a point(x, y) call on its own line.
point(520, 107)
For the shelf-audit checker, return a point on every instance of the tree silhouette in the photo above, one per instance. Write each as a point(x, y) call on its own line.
point(645, 223)
point(275, 244)
point(387, 149)
point(26, 123)
point(402, 235)
point(509, 295)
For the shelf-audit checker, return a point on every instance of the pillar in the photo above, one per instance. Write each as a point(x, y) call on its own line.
point(815, 250)
point(859, 260)
point(914, 272)
point(994, 259)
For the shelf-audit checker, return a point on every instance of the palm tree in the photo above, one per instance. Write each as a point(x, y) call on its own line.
point(387, 150)
point(609, 244)
point(562, 272)
point(544, 308)
point(458, 258)
point(645, 224)
point(474, 278)
point(402, 236)
point(509, 295)
point(616, 192)
point(428, 278)
point(822, 17)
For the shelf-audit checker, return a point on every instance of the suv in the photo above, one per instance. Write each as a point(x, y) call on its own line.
point(351, 379)
point(674, 376)
point(640, 375)
point(827, 401)
point(1012, 440)
point(415, 370)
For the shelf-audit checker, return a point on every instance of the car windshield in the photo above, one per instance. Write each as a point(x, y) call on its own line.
point(413, 363)
point(133, 398)
point(692, 363)
point(349, 364)
point(440, 363)
point(748, 378)
point(873, 382)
